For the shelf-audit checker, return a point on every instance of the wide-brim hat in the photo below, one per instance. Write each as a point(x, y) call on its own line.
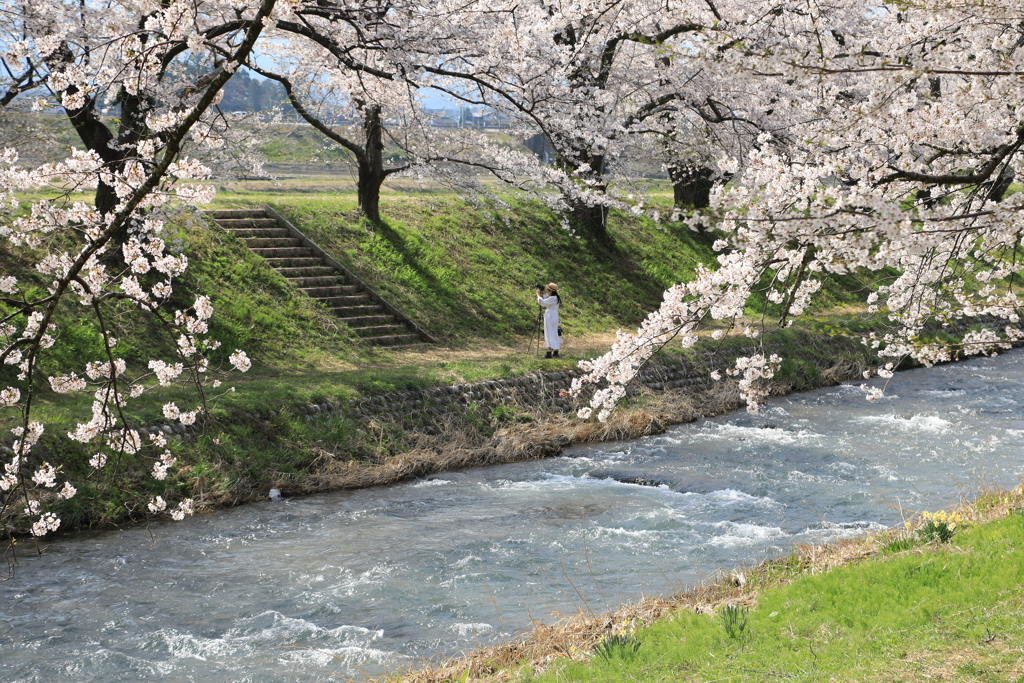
point(552, 286)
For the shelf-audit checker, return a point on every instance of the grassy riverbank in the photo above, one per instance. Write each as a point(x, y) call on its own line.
point(247, 450)
point(898, 606)
point(464, 272)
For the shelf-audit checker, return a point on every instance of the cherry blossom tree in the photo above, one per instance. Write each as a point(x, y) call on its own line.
point(905, 127)
point(328, 92)
point(602, 81)
point(379, 83)
point(878, 140)
point(139, 83)
point(529, 61)
point(86, 58)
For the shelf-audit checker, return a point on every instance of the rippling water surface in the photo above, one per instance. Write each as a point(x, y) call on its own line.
point(374, 580)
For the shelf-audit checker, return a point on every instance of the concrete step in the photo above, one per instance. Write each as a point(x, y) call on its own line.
point(355, 311)
point(339, 300)
point(368, 321)
point(283, 252)
point(350, 301)
point(259, 232)
point(301, 281)
point(243, 223)
point(401, 340)
point(238, 213)
point(318, 273)
point(272, 242)
point(380, 330)
point(338, 290)
point(294, 262)
point(303, 267)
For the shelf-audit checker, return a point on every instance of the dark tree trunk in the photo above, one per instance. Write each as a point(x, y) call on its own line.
point(369, 156)
point(1001, 184)
point(95, 135)
point(371, 165)
point(691, 185)
point(106, 200)
point(589, 221)
point(97, 138)
point(368, 193)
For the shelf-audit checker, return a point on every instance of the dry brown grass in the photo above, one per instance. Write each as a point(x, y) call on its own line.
point(458, 447)
point(992, 660)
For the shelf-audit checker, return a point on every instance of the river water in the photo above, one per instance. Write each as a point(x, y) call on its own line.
point(376, 580)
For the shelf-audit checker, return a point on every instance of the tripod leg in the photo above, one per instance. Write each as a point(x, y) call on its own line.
point(533, 338)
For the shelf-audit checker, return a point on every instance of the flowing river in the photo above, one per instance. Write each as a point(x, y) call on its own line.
point(375, 580)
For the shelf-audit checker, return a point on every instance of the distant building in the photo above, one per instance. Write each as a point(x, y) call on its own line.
point(467, 117)
point(541, 146)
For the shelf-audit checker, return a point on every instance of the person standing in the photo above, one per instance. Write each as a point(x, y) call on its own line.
point(549, 300)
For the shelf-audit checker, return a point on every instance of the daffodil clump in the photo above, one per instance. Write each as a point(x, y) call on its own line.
point(940, 526)
point(621, 643)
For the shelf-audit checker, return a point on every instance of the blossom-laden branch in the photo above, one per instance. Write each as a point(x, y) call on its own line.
point(902, 137)
point(85, 258)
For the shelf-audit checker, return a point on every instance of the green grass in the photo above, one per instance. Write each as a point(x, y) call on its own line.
point(945, 612)
point(463, 273)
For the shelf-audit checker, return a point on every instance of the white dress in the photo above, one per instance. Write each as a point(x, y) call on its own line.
point(551, 338)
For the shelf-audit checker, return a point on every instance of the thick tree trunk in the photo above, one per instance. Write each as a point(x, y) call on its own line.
point(691, 185)
point(97, 138)
point(589, 221)
point(368, 193)
point(371, 165)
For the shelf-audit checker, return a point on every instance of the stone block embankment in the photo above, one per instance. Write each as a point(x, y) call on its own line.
point(430, 410)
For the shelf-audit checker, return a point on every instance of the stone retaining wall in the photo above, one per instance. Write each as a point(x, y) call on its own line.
point(543, 392)
point(428, 410)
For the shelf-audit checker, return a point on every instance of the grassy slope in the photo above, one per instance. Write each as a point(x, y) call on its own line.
point(449, 265)
point(464, 271)
point(938, 612)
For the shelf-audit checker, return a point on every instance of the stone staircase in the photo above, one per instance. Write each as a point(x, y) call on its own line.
point(319, 276)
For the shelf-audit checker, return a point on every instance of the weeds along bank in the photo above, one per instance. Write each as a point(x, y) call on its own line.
point(320, 411)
